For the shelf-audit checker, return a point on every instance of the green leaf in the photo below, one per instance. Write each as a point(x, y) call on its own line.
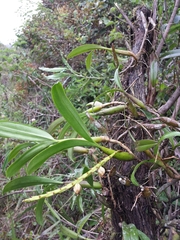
point(23, 132)
point(17, 149)
point(68, 111)
point(52, 210)
point(169, 135)
point(71, 150)
point(79, 203)
point(56, 69)
point(39, 212)
point(126, 232)
point(64, 131)
point(117, 80)
point(24, 158)
point(71, 234)
point(58, 76)
point(68, 232)
point(133, 232)
point(80, 224)
point(142, 236)
point(88, 61)
point(129, 231)
point(133, 179)
point(64, 144)
point(54, 125)
point(107, 22)
point(28, 181)
point(174, 28)
point(83, 49)
point(145, 144)
point(154, 72)
point(171, 54)
point(89, 179)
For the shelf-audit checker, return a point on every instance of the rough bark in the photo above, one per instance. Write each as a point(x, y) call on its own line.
point(121, 197)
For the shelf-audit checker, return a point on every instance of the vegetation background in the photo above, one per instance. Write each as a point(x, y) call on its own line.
point(30, 69)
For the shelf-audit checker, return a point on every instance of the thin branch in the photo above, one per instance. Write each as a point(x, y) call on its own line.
point(166, 185)
point(125, 16)
point(160, 46)
point(170, 102)
point(155, 2)
point(176, 110)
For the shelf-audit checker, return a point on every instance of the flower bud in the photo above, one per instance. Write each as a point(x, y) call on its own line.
point(101, 171)
point(77, 188)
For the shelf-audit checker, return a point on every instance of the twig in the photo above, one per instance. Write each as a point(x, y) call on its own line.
point(125, 17)
point(170, 102)
point(160, 46)
point(176, 110)
point(155, 10)
point(166, 185)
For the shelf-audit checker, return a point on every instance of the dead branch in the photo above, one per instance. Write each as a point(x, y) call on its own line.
point(170, 102)
point(160, 46)
point(125, 16)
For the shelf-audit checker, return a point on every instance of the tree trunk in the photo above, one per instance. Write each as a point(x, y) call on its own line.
point(129, 203)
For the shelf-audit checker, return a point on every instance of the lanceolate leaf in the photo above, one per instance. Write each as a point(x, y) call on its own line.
point(56, 69)
point(68, 111)
point(89, 61)
point(90, 47)
point(55, 125)
point(28, 181)
point(133, 178)
point(117, 80)
point(145, 144)
point(71, 234)
point(82, 222)
point(84, 48)
point(154, 72)
point(23, 132)
point(169, 135)
point(39, 211)
point(17, 149)
point(64, 144)
point(171, 54)
point(25, 157)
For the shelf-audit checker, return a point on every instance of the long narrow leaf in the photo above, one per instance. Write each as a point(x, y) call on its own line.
point(90, 47)
point(82, 222)
point(28, 181)
point(68, 111)
point(84, 48)
point(169, 135)
point(24, 158)
point(55, 125)
point(171, 54)
point(39, 211)
point(17, 149)
point(89, 61)
point(133, 178)
point(56, 69)
point(23, 132)
point(64, 144)
point(145, 144)
point(117, 80)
